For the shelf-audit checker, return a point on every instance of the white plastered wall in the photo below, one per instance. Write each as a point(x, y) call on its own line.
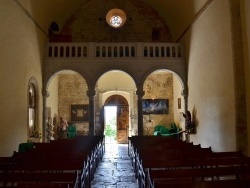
point(211, 78)
point(177, 90)
point(20, 59)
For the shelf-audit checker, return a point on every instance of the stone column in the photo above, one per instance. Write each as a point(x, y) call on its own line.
point(45, 94)
point(184, 93)
point(140, 93)
point(91, 94)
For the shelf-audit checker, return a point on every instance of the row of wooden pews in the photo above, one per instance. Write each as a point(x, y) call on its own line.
point(161, 162)
point(62, 163)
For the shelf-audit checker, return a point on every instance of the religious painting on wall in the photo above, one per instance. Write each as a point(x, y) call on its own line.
point(79, 112)
point(155, 106)
point(122, 118)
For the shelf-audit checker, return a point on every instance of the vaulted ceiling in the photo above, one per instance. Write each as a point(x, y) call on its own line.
point(178, 14)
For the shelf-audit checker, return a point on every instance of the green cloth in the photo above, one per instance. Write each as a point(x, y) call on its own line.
point(25, 146)
point(71, 128)
point(164, 130)
point(71, 132)
point(158, 127)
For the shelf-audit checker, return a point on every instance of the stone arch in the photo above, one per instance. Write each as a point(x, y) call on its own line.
point(182, 77)
point(164, 84)
point(50, 76)
point(121, 83)
point(93, 71)
point(58, 111)
point(106, 70)
point(116, 100)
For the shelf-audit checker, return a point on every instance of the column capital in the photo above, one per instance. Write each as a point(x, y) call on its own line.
point(184, 93)
point(140, 93)
point(45, 93)
point(91, 93)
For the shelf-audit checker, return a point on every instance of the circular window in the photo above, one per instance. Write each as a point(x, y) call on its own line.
point(116, 18)
point(116, 21)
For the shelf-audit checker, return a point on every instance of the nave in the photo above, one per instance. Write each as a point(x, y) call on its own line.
point(115, 170)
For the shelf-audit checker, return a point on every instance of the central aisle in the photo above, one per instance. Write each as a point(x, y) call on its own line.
point(115, 170)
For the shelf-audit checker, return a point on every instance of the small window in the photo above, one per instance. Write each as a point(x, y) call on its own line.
point(116, 21)
point(116, 18)
point(98, 51)
point(32, 108)
point(156, 34)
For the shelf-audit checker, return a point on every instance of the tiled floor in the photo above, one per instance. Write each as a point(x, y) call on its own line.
point(115, 170)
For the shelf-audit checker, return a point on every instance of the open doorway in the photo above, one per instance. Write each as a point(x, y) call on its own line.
point(110, 124)
point(116, 118)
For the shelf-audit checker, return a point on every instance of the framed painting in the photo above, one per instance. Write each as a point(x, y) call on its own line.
point(155, 106)
point(79, 112)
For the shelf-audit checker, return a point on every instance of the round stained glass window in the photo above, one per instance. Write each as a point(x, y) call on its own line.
point(116, 21)
point(116, 18)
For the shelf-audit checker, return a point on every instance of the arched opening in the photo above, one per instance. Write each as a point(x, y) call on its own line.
point(34, 133)
point(67, 99)
point(117, 83)
point(116, 115)
point(162, 90)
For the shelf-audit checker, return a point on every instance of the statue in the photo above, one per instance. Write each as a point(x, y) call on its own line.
point(49, 130)
point(189, 125)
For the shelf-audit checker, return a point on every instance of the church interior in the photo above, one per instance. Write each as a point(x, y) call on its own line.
point(155, 61)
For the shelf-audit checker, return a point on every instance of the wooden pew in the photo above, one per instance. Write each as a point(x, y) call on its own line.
point(156, 145)
point(49, 169)
point(56, 161)
point(159, 153)
point(195, 174)
point(45, 185)
point(201, 170)
point(156, 159)
point(203, 184)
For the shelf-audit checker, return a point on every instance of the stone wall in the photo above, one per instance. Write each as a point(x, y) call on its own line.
point(72, 89)
point(89, 25)
point(158, 86)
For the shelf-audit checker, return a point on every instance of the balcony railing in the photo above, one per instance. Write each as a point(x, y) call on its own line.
point(115, 50)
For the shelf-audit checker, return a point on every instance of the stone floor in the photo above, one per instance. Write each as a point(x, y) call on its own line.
point(115, 170)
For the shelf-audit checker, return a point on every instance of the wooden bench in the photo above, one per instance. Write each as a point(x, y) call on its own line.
point(203, 184)
point(44, 185)
point(58, 162)
point(160, 154)
point(199, 169)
